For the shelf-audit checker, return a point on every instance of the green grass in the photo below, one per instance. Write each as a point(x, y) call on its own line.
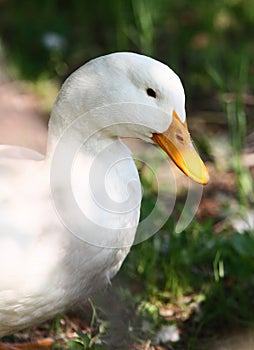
point(206, 280)
point(232, 99)
point(216, 272)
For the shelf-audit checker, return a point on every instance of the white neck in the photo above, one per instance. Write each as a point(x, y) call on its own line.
point(97, 169)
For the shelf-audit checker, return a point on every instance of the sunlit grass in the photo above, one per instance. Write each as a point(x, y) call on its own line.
point(232, 99)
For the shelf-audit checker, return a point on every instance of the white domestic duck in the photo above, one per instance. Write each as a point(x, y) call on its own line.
point(68, 220)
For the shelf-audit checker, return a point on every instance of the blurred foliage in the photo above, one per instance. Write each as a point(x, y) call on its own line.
point(190, 36)
point(208, 277)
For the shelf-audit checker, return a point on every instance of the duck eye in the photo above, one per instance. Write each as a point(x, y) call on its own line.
point(150, 92)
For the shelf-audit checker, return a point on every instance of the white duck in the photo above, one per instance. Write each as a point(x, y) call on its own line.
point(55, 252)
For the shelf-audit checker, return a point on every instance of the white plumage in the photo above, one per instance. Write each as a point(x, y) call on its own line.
point(44, 267)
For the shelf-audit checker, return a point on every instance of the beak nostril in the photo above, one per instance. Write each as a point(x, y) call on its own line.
point(179, 138)
point(176, 142)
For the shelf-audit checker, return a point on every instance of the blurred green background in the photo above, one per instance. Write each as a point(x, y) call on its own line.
point(193, 37)
point(202, 280)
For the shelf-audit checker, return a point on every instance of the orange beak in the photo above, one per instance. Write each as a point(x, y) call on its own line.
point(176, 142)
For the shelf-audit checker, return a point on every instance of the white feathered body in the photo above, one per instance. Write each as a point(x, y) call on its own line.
point(44, 267)
point(55, 250)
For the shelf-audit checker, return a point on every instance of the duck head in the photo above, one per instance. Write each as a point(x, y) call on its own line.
point(144, 98)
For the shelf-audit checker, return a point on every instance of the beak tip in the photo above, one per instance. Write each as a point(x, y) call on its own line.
point(204, 178)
